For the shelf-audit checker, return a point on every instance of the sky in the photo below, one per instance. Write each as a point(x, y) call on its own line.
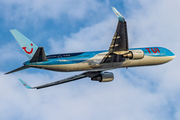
point(139, 93)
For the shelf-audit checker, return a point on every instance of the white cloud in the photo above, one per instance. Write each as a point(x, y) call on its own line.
point(38, 11)
point(10, 51)
point(92, 38)
point(155, 23)
point(79, 100)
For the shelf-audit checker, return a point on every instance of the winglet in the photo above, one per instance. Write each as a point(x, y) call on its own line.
point(25, 84)
point(120, 17)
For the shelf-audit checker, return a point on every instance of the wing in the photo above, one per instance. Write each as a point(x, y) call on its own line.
point(119, 44)
point(120, 39)
point(73, 78)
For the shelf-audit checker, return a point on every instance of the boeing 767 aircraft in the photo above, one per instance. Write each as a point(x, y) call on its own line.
point(95, 63)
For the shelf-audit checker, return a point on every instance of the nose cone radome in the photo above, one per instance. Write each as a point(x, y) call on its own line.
point(171, 55)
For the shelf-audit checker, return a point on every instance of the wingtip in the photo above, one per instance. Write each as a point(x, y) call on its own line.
point(120, 17)
point(25, 84)
point(12, 30)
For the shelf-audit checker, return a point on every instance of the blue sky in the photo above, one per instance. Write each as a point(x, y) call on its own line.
point(142, 93)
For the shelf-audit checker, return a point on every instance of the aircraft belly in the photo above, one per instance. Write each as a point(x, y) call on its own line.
point(147, 60)
point(65, 67)
point(81, 66)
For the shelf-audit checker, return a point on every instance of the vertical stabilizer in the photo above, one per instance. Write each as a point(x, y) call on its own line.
point(26, 45)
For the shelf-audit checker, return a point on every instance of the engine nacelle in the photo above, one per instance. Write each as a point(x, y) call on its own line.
point(104, 77)
point(134, 54)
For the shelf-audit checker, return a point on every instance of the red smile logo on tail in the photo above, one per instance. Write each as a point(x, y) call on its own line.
point(27, 51)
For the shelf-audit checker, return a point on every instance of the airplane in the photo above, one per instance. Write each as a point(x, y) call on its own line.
point(95, 63)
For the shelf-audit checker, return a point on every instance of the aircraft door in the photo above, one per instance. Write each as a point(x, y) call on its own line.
point(162, 51)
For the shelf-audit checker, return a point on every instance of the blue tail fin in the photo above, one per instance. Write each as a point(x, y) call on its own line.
point(27, 46)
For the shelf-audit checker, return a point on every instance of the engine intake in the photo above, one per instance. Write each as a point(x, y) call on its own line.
point(104, 77)
point(134, 54)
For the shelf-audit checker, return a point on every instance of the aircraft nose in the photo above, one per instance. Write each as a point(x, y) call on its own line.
point(171, 55)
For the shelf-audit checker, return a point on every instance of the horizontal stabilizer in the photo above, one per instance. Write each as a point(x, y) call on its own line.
point(39, 56)
point(18, 69)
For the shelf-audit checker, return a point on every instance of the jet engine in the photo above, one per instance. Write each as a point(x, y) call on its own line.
point(134, 54)
point(104, 77)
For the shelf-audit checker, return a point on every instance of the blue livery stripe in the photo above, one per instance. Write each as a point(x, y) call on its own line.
point(72, 58)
